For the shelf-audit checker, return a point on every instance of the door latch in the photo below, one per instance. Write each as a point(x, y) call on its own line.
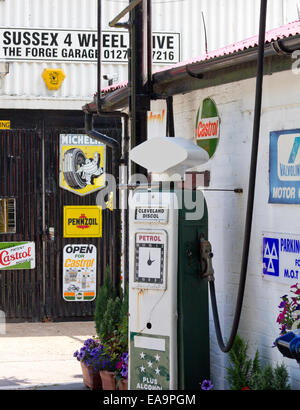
point(206, 260)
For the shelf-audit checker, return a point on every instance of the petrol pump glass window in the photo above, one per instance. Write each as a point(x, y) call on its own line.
point(149, 263)
point(7, 215)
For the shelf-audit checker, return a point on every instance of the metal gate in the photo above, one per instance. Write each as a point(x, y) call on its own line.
point(29, 172)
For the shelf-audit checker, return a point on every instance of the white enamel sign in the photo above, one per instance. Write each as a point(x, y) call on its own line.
point(281, 257)
point(79, 272)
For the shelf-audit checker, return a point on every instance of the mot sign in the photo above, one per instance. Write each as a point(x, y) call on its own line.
point(35, 44)
point(281, 257)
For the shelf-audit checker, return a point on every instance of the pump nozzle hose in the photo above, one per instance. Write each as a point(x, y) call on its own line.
point(251, 191)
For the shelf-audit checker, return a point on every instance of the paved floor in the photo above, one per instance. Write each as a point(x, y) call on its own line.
point(40, 355)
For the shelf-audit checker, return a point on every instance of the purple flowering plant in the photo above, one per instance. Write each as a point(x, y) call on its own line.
point(122, 367)
point(206, 385)
point(289, 305)
point(95, 355)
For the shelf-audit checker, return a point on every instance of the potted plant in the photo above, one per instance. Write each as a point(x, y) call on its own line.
point(90, 357)
point(122, 372)
point(107, 368)
point(114, 335)
point(111, 320)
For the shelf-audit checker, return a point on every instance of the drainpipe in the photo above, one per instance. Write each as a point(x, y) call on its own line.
point(140, 74)
point(170, 117)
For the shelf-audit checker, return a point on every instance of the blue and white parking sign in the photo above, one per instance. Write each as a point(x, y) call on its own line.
point(271, 256)
point(281, 257)
point(285, 167)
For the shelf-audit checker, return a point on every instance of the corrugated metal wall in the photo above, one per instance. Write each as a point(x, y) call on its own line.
point(226, 21)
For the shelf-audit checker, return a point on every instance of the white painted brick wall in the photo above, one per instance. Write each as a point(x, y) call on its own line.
point(230, 169)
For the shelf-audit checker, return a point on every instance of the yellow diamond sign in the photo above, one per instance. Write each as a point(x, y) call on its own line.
point(53, 78)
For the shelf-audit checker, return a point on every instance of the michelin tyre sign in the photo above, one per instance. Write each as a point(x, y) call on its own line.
point(285, 167)
point(281, 257)
point(82, 164)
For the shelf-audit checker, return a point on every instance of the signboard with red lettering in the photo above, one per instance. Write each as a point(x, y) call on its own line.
point(207, 129)
point(17, 255)
point(150, 259)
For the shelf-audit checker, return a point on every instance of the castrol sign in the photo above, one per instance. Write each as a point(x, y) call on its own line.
point(17, 255)
point(207, 127)
point(79, 272)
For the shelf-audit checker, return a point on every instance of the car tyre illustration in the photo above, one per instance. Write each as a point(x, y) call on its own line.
point(73, 159)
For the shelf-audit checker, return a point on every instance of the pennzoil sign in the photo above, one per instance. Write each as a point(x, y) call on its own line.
point(82, 221)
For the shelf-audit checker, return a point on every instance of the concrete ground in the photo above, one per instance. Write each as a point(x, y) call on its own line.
point(40, 355)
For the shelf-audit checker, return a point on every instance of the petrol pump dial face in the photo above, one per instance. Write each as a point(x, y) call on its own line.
point(150, 258)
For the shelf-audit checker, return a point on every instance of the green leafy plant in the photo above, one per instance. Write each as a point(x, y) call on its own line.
point(245, 373)
point(123, 324)
point(111, 319)
point(242, 368)
point(105, 292)
point(271, 379)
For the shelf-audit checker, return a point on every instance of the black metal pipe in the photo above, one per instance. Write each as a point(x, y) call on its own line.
point(170, 117)
point(139, 101)
point(149, 47)
point(89, 129)
point(251, 194)
point(99, 47)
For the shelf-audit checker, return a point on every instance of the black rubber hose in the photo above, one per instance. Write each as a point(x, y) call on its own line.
point(252, 177)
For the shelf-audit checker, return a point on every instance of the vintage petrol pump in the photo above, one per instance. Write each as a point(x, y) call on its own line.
point(169, 262)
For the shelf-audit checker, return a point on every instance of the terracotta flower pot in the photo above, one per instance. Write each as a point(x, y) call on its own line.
point(123, 384)
point(91, 378)
point(108, 380)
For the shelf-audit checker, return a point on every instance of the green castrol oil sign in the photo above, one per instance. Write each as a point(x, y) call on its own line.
point(207, 127)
